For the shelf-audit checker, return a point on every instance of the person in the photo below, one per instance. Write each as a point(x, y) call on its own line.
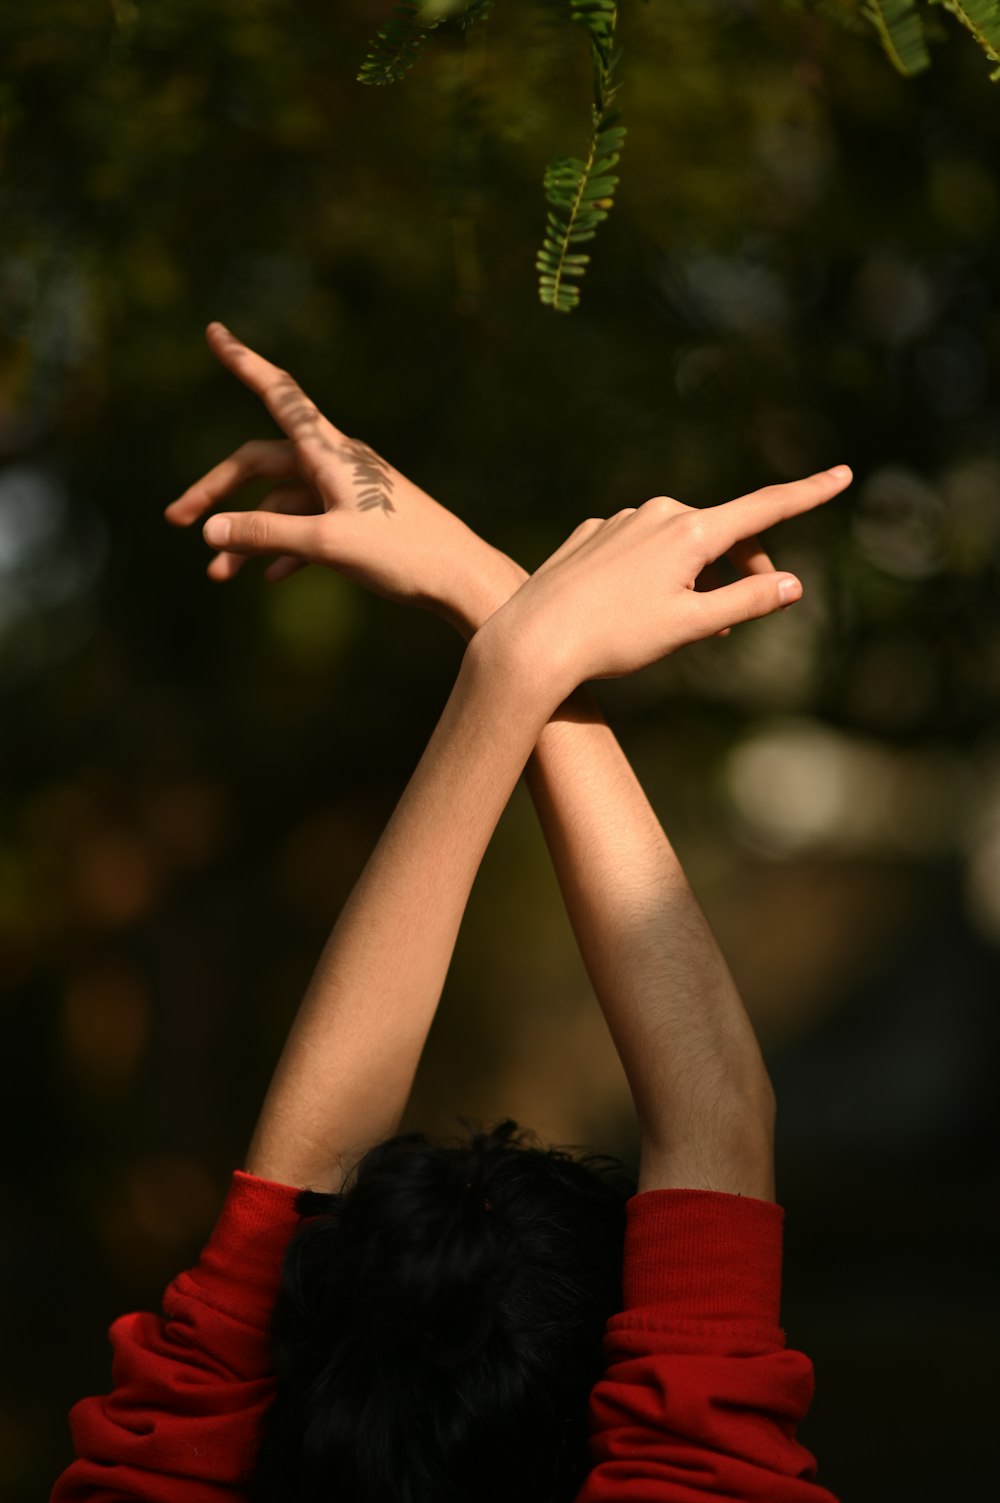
point(457, 1321)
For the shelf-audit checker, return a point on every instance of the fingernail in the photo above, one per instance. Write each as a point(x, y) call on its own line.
point(216, 531)
point(840, 472)
point(789, 589)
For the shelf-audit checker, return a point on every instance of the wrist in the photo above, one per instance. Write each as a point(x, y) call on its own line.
point(508, 650)
point(490, 580)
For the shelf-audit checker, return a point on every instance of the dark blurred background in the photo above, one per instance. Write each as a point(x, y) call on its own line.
point(803, 268)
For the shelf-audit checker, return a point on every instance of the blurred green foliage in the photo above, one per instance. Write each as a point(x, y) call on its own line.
point(802, 268)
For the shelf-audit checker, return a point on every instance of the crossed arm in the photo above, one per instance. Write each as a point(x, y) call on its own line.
point(699, 1085)
point(701, 1093)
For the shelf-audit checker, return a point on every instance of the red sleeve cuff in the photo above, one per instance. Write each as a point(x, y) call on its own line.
point(703, 1255)
point(240, 1268)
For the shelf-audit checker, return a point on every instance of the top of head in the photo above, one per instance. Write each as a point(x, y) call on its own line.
point(440, 1324)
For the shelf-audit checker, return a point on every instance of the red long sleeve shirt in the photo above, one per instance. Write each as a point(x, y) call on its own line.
point(699, 1398)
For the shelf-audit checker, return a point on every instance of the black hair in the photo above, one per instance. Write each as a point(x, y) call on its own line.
point(440, 1322)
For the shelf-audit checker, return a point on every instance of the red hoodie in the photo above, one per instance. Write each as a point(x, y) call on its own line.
point(699, 1398)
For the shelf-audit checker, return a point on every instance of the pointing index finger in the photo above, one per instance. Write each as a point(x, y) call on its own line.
point(281, 394)
point(733, 521)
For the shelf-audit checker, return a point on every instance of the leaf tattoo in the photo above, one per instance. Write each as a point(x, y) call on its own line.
point(372, 476)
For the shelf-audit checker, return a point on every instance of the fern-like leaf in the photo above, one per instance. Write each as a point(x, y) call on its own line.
point(600, 18)
point(982, 19)
point(580, 191)
point(901, 32)
point(392, 53)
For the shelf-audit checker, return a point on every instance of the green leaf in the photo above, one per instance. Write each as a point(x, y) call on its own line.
point(600, 18)
point(981, 18)
point(392, 53)
point(580, 191)
point(901, 31)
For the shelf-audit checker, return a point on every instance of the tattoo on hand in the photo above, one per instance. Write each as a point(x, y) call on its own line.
point(372, 476)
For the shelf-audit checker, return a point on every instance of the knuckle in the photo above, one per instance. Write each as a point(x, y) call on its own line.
point(660, 507)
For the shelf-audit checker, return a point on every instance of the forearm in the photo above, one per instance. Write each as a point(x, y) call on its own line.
point(702, 1095)
point(346, 1071)
point(701, 1092)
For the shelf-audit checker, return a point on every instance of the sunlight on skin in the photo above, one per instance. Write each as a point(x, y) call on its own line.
point(322, 472)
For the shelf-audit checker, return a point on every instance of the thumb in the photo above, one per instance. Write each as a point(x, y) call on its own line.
point(262, 532)
point(747, 599)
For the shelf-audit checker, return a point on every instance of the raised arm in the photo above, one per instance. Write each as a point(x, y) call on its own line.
point(343, 1080)
point(702, 1096)
point(700, 1398)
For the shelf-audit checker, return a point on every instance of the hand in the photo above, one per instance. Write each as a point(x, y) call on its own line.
point(335, 494)
point(339, 503)
point(620, 594)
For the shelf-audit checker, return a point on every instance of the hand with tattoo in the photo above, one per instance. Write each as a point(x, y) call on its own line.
point(336, 502)
point(340, 504)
